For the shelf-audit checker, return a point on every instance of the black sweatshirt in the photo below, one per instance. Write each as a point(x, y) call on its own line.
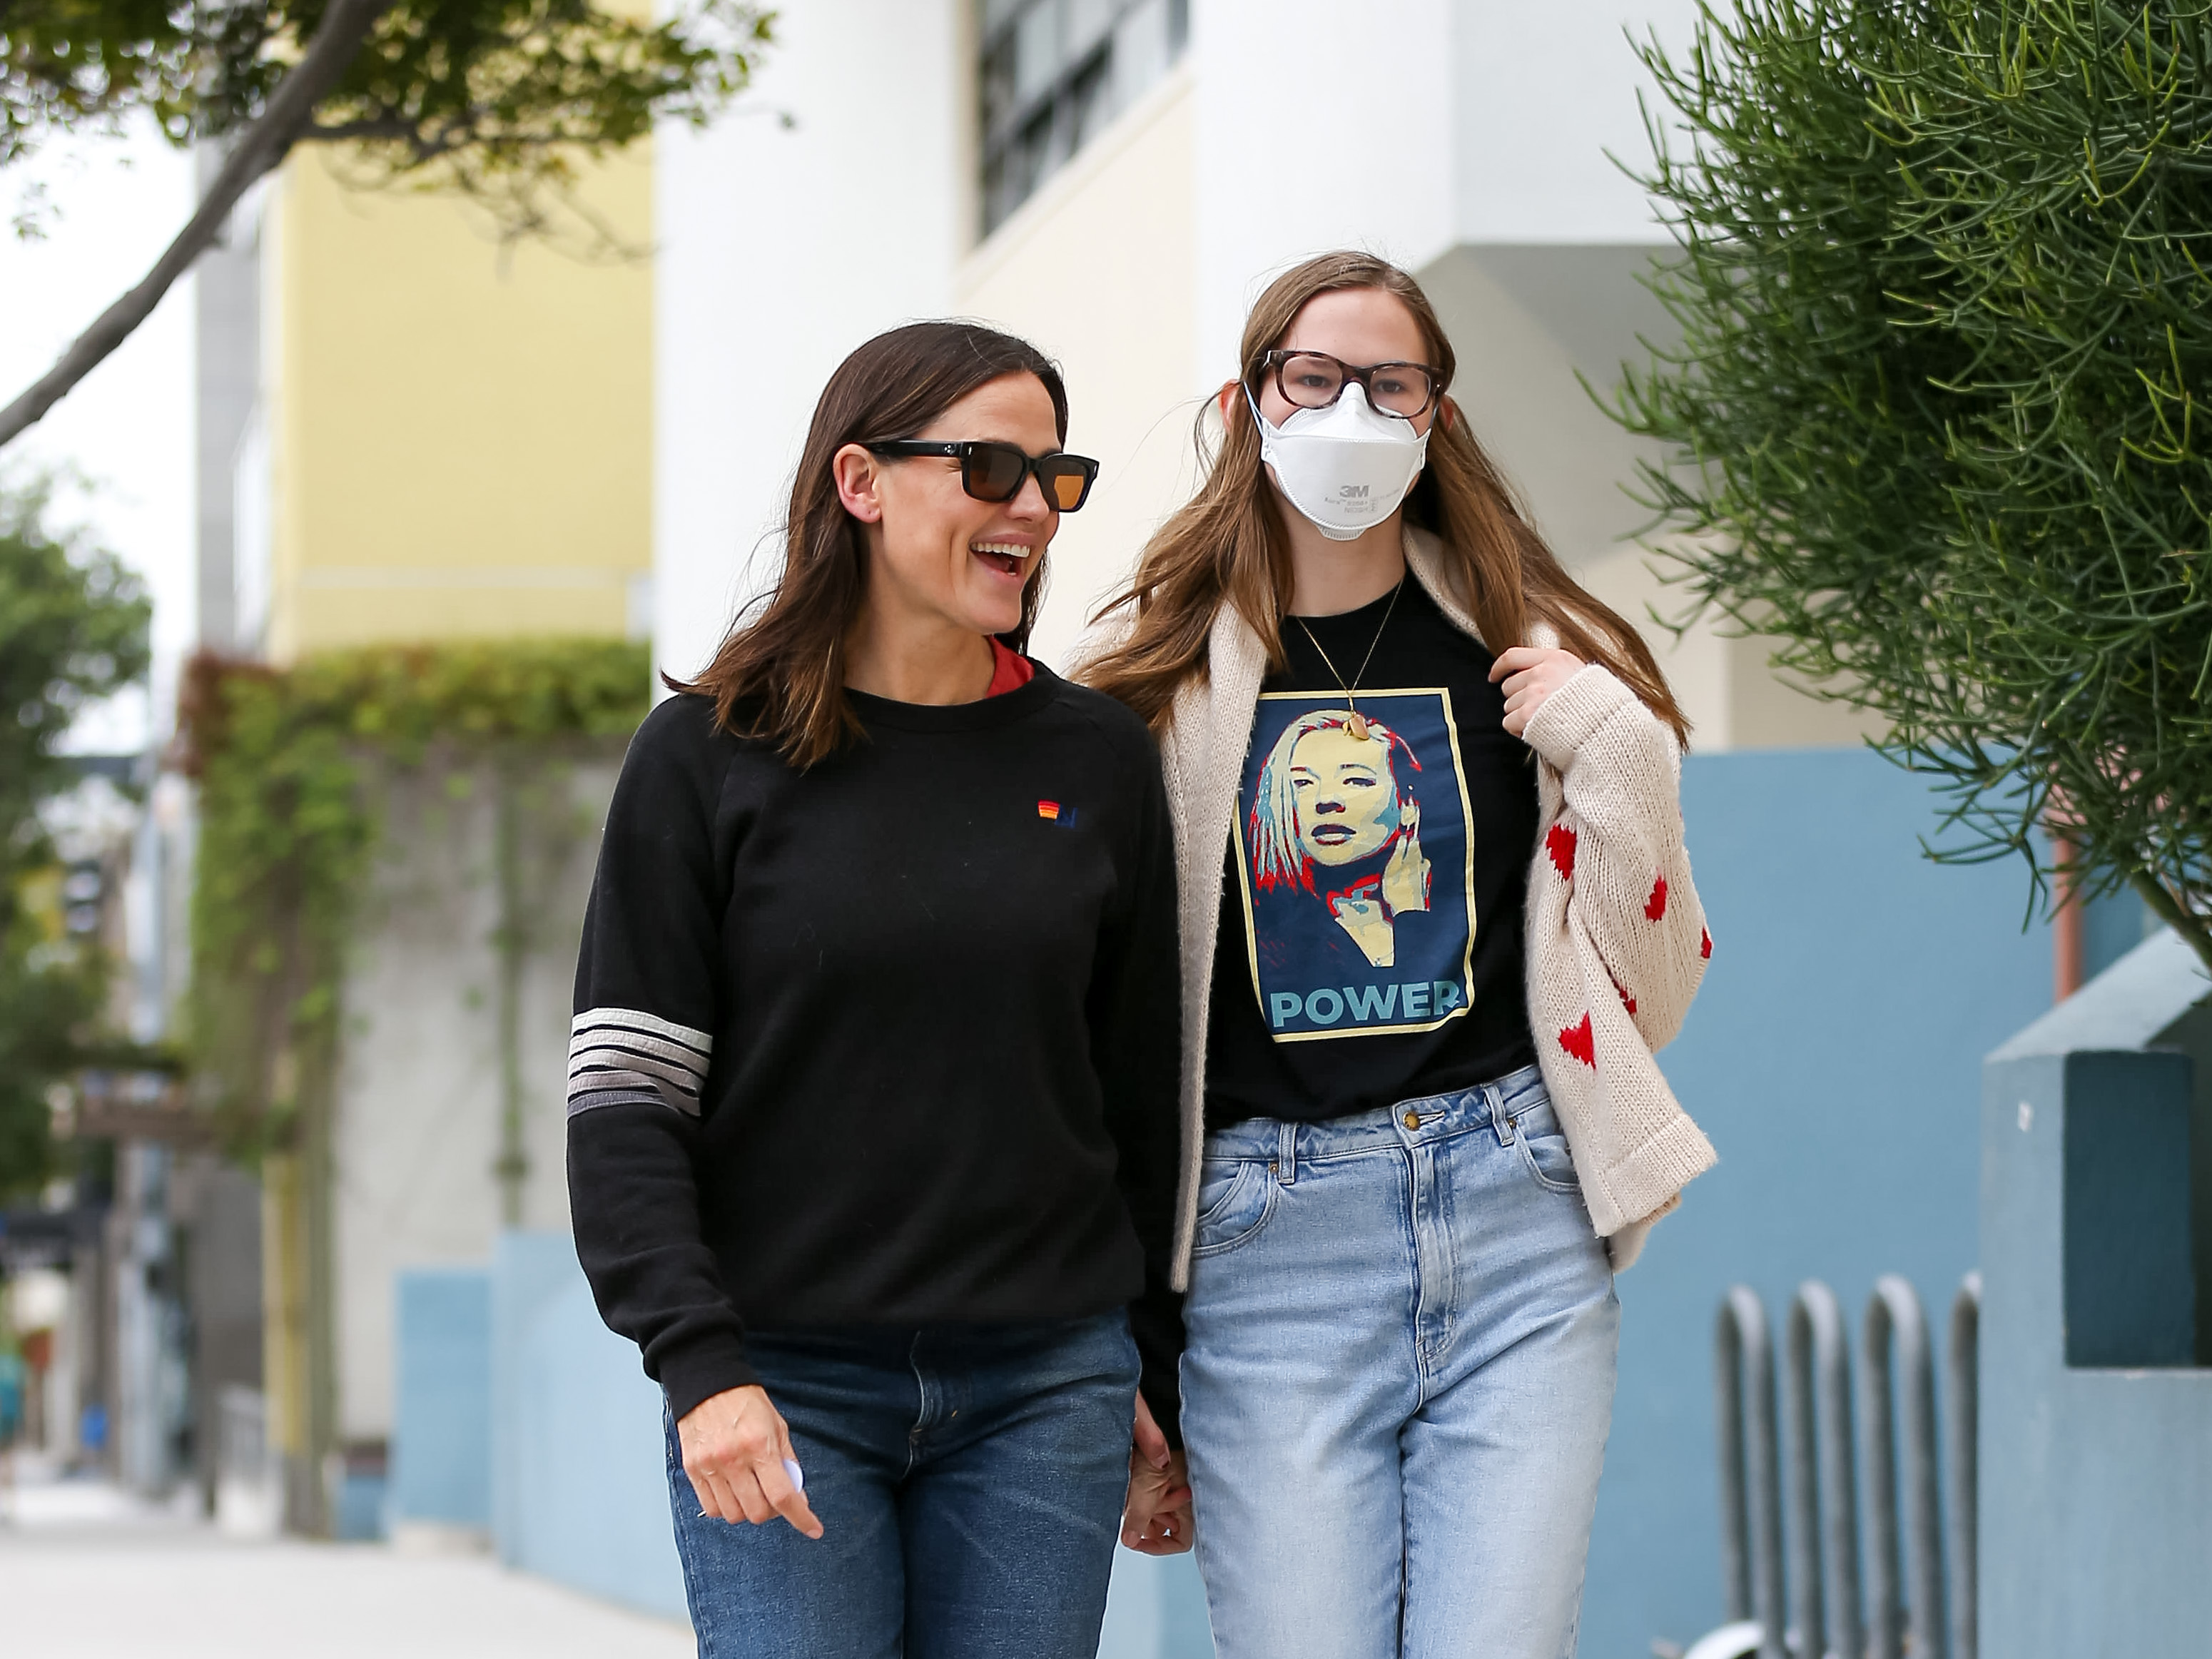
point(892, 1042)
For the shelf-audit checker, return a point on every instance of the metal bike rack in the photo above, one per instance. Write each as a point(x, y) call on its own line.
point(1751, 1484)
point(1824, 1554)
point(1794, 1570)
point(1894, 1321)
point(1962, 1401)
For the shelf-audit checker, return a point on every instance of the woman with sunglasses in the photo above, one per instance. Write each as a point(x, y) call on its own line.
point(872, 1131)
point(1437, 917)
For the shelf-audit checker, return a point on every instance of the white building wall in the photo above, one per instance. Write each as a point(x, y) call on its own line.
point(1544, 97)
point(1471, 141)
point(1319, 126)
point(832, 205)
point(1098, 269)
point(417, 1128)
point(1409, 127)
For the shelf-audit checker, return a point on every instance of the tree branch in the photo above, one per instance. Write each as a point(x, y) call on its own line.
point(264, 143)
point(427, 143)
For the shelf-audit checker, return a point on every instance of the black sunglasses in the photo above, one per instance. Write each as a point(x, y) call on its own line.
point(993, 472)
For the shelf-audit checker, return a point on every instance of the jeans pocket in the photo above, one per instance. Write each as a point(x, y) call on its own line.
point(1235, 1198)
point(1544, 1150)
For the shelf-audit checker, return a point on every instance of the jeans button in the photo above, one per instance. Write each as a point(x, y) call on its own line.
point(1413, 1119)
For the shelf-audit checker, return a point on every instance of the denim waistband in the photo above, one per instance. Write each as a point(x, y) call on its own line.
point(1426, 1117)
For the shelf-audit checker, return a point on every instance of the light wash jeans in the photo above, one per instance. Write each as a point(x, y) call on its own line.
point(1398, 1382)
point(969, 1481)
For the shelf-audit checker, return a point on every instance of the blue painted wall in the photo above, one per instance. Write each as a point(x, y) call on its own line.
point(578, 1489)
point(442, 1398)
point(1833, 1057)
point(2110, 927)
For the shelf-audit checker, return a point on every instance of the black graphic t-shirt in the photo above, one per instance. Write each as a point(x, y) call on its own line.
point(1370, 947)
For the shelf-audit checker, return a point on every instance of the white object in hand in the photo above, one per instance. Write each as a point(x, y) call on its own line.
point(798, 1478)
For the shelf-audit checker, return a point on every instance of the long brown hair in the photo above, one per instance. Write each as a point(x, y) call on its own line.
point(779, 673)
point(1228, 542)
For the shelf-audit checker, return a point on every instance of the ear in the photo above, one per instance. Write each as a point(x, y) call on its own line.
point(859, 483)
point(1448, 413)
point(1226, 399)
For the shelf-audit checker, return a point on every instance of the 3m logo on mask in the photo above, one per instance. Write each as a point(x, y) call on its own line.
point(1345, 468)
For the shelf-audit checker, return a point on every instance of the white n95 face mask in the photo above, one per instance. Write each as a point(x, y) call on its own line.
point(1345, 467)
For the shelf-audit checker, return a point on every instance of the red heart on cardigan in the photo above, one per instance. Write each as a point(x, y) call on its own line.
point(1656, 906)
point(1627, 1000)
point(1705, 944)
point(1560, 844)
point(1578, 1040)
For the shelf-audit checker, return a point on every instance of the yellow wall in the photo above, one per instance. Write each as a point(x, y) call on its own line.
point(461, 434)
point(1099, 270)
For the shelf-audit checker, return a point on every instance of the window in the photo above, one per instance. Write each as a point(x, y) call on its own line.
point(1054, 72)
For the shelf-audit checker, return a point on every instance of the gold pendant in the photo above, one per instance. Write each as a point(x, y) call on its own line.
point(1358, 726)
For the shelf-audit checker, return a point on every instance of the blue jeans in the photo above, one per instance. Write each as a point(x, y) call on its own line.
point(969, 1481)
point(1399, 1379)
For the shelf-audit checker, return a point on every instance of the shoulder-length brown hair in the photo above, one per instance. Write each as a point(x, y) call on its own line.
point(779, 673)
point(1228, 542)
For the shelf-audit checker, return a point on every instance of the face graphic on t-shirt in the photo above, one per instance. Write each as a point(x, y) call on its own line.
point(1346, 796)
point(1354, 854)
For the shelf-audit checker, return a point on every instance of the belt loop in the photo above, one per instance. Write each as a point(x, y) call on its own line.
point(1494, 1098)
point(1286, 1152)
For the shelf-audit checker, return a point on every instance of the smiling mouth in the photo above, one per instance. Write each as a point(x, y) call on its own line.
point(1332, 834)
point(1007, 558)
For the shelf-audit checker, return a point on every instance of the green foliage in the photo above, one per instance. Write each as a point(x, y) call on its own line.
point(73, 629)
point(287, 828)
point(498, 96)
point(73, 625)
point(1946, 315)
point(51, 999)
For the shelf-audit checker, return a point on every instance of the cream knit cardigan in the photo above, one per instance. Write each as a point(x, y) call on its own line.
point(1616, 939)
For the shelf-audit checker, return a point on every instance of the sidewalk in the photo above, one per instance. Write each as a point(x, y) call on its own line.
point(88, 1573)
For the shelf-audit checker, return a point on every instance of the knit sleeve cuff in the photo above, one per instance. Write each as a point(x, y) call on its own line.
point(702, 1369)
point(1567, 719)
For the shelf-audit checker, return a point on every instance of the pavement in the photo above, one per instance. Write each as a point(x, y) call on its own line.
point(89, 1572)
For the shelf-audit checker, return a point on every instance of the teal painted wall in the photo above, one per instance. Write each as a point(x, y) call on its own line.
point(442, 1398)
point(1833, 1056)
point(578, 1489)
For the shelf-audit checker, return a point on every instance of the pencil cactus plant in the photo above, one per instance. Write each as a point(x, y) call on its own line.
point(1943, 277)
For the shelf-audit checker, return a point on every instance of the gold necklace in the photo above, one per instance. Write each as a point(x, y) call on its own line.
point(1358, 723)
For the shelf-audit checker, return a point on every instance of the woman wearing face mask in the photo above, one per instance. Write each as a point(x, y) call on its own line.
point(872, 1133)
point(1431, 1122)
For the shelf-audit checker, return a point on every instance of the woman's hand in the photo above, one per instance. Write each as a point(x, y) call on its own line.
point(1531, 674)
point(1156, 1519)
point(1406, 876)
point(734, 1444)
